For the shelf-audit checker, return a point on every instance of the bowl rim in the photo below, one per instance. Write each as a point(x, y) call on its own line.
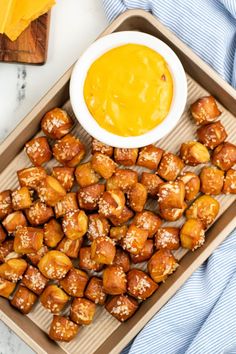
point(98, 48)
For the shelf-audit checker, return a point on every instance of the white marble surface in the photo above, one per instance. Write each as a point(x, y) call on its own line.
point(74, 24)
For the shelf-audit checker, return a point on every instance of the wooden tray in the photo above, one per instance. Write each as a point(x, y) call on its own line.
point(106, 335)
point(31, 46)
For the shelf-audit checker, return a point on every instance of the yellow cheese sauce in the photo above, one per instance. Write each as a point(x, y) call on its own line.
point(129, 89)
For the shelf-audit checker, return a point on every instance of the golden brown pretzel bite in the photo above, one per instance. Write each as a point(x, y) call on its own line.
point(170, 166)
point(34, 280)
point(230, 182)
point(134, 239)
point(111, 203)
point(140, 285)
point(28, 240)
point(23, 299)
point(13, 221)
point(122, 307)
point(98, 146)
point(53, 233)
point(70, 247)
point(145, 254)
point(82, 311)
point(6, 288)
point(211, 135)
point(65, 175)
point(152, 182)
point(103, 250)
point(125, 157)
point(95, 292)
point(13, 269)
point(103, 165)
point(171, 195)
point(69, 151)
point(54, 265)
point(35, 257)
point(31, 177)
point(137, 197)
point(192, 184)
point(5, 249)
point(122, 179)
point(39, 213)
point(118, 232)
point(192, 234)
point(162, 264)
point(38, 150)
point(122, 260)
point(75, 224)
point(212, 180)
point(97, 226)
point(194, 153)
point(172, 214)
point(148, 221)
point(54, 298)
point(86, 262)
point(85, 175)
point(204, 208)
point(5, 204)
point(51, 191)
point(167, 237)
point(89, 196)
point(62, 329)
point(56, 123)
point(21, 198)
point(149, 157)
point(124, 217)
point(74, 282)
point(114, 280)
point(224, 156)
point(205, 110)
point(66, 204)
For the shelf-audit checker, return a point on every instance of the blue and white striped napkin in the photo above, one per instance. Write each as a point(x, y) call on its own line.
point(201, 317)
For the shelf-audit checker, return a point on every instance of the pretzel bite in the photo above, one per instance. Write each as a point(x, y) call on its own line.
point(170, 166)
point(54, 298)
point(85, 175)
point(88, 197)
point(53, 233)
point(137, 197)
point(111, 203)
point(75, 224)
point(230, 182)
point(140, 285)
point(194, 153)
point(28, 240)
point(66, 204)
point(97, 226)
point(114, 280)
point(134, 239)
point(21, 198)
point(212, 135)
point(148, 221)
point(122, 307)
point(125, 157)
point(51, 191)
point(13, 221)
point(5, 249)
point(35, 257)
point(162, 264)
point(56, 123)
point(23, 299)
point(167, 237)
point(13, 269)
point(224, 156)
point(171, 195)
point(69, 151)
point(82, 311)
point(103, 250)
point(39, 213)
point(122, 260)
point(192, 184)
point(212, 180)
point(95, 292)
point(6, 288)
point(150, 157)
point(86, 262)
point(205, 110)
point(122, 179)
point(62, 329)
point(74, 282)
point(145, 254)
point(204, 208)
point(34, 280)
point(54, 265)
point(103, 165)
point(5, 204)
point(70, 247)
point(192, 234)
point(38, 150)
point(31, 177)
point(152, 183)
point(98, 146)
point(3, 234)
point(124, 217)
point(65, 175)
point(118, 232)
point(172, 214)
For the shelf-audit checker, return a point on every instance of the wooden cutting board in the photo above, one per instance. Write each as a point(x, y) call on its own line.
point(30, 47)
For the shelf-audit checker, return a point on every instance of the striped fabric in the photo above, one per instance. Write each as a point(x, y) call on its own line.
point(207, 26)
point(201, 317)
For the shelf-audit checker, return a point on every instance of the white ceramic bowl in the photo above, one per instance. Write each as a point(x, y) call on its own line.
point(100, 47)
